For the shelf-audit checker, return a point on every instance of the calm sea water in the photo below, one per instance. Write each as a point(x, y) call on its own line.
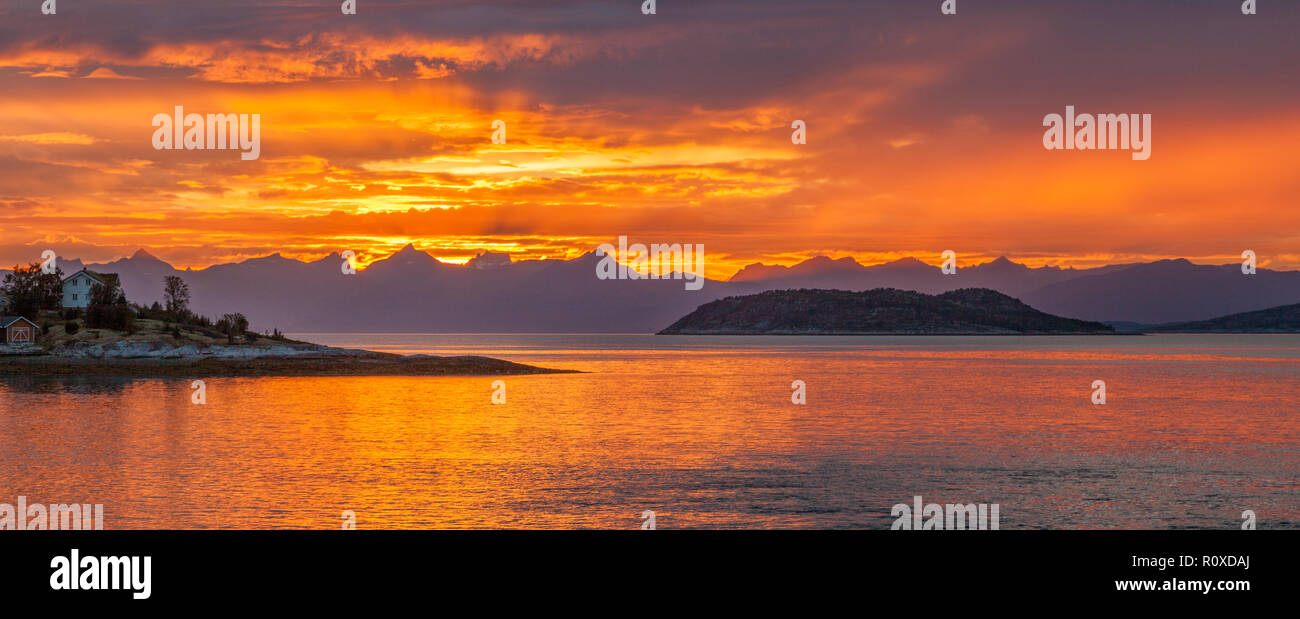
point(701, 430)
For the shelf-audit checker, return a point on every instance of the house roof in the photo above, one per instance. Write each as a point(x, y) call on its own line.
point(106, 279)
point(5, 321)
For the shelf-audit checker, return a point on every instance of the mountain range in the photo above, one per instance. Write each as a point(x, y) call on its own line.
point(412, 291)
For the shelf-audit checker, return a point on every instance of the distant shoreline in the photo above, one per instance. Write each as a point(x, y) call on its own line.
point(369, 364)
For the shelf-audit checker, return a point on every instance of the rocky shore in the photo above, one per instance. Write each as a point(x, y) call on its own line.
point(126, 358)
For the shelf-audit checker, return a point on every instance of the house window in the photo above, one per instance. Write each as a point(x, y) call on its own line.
point(74, 296)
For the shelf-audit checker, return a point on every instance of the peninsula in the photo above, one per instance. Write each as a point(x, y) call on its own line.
point(155, 349)
point(83, 325)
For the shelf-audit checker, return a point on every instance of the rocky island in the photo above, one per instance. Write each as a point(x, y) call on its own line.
point(883, 311)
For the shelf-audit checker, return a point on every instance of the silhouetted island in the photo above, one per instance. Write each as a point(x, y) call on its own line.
point(883, 311)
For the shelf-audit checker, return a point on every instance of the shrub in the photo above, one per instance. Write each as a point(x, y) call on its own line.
point(232, 326)
point(145, 312)
point(71, 327)
point(115, 317)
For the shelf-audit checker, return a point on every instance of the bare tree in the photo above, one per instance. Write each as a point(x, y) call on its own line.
point(176, 295)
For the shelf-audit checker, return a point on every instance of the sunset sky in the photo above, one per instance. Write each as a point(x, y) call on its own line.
point(924, 130)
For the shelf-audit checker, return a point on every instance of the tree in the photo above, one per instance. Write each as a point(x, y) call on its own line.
point(108, 309)
point(176, 294)
point(31, 291)
point(233, 326)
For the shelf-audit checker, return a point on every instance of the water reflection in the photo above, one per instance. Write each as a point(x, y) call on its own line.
point(1194, 432)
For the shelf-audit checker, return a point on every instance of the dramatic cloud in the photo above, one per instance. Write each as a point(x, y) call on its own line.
point(923, 131)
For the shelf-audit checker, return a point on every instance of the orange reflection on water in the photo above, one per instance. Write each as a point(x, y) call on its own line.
point(704, 437)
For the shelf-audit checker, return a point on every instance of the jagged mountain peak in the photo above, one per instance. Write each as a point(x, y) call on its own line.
point(489, 260)
point(905, 261)
point(1003, 263)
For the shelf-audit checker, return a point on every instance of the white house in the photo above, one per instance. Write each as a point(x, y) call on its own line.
point(76, 287)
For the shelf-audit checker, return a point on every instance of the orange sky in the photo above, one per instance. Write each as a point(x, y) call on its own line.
point(924, 131)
